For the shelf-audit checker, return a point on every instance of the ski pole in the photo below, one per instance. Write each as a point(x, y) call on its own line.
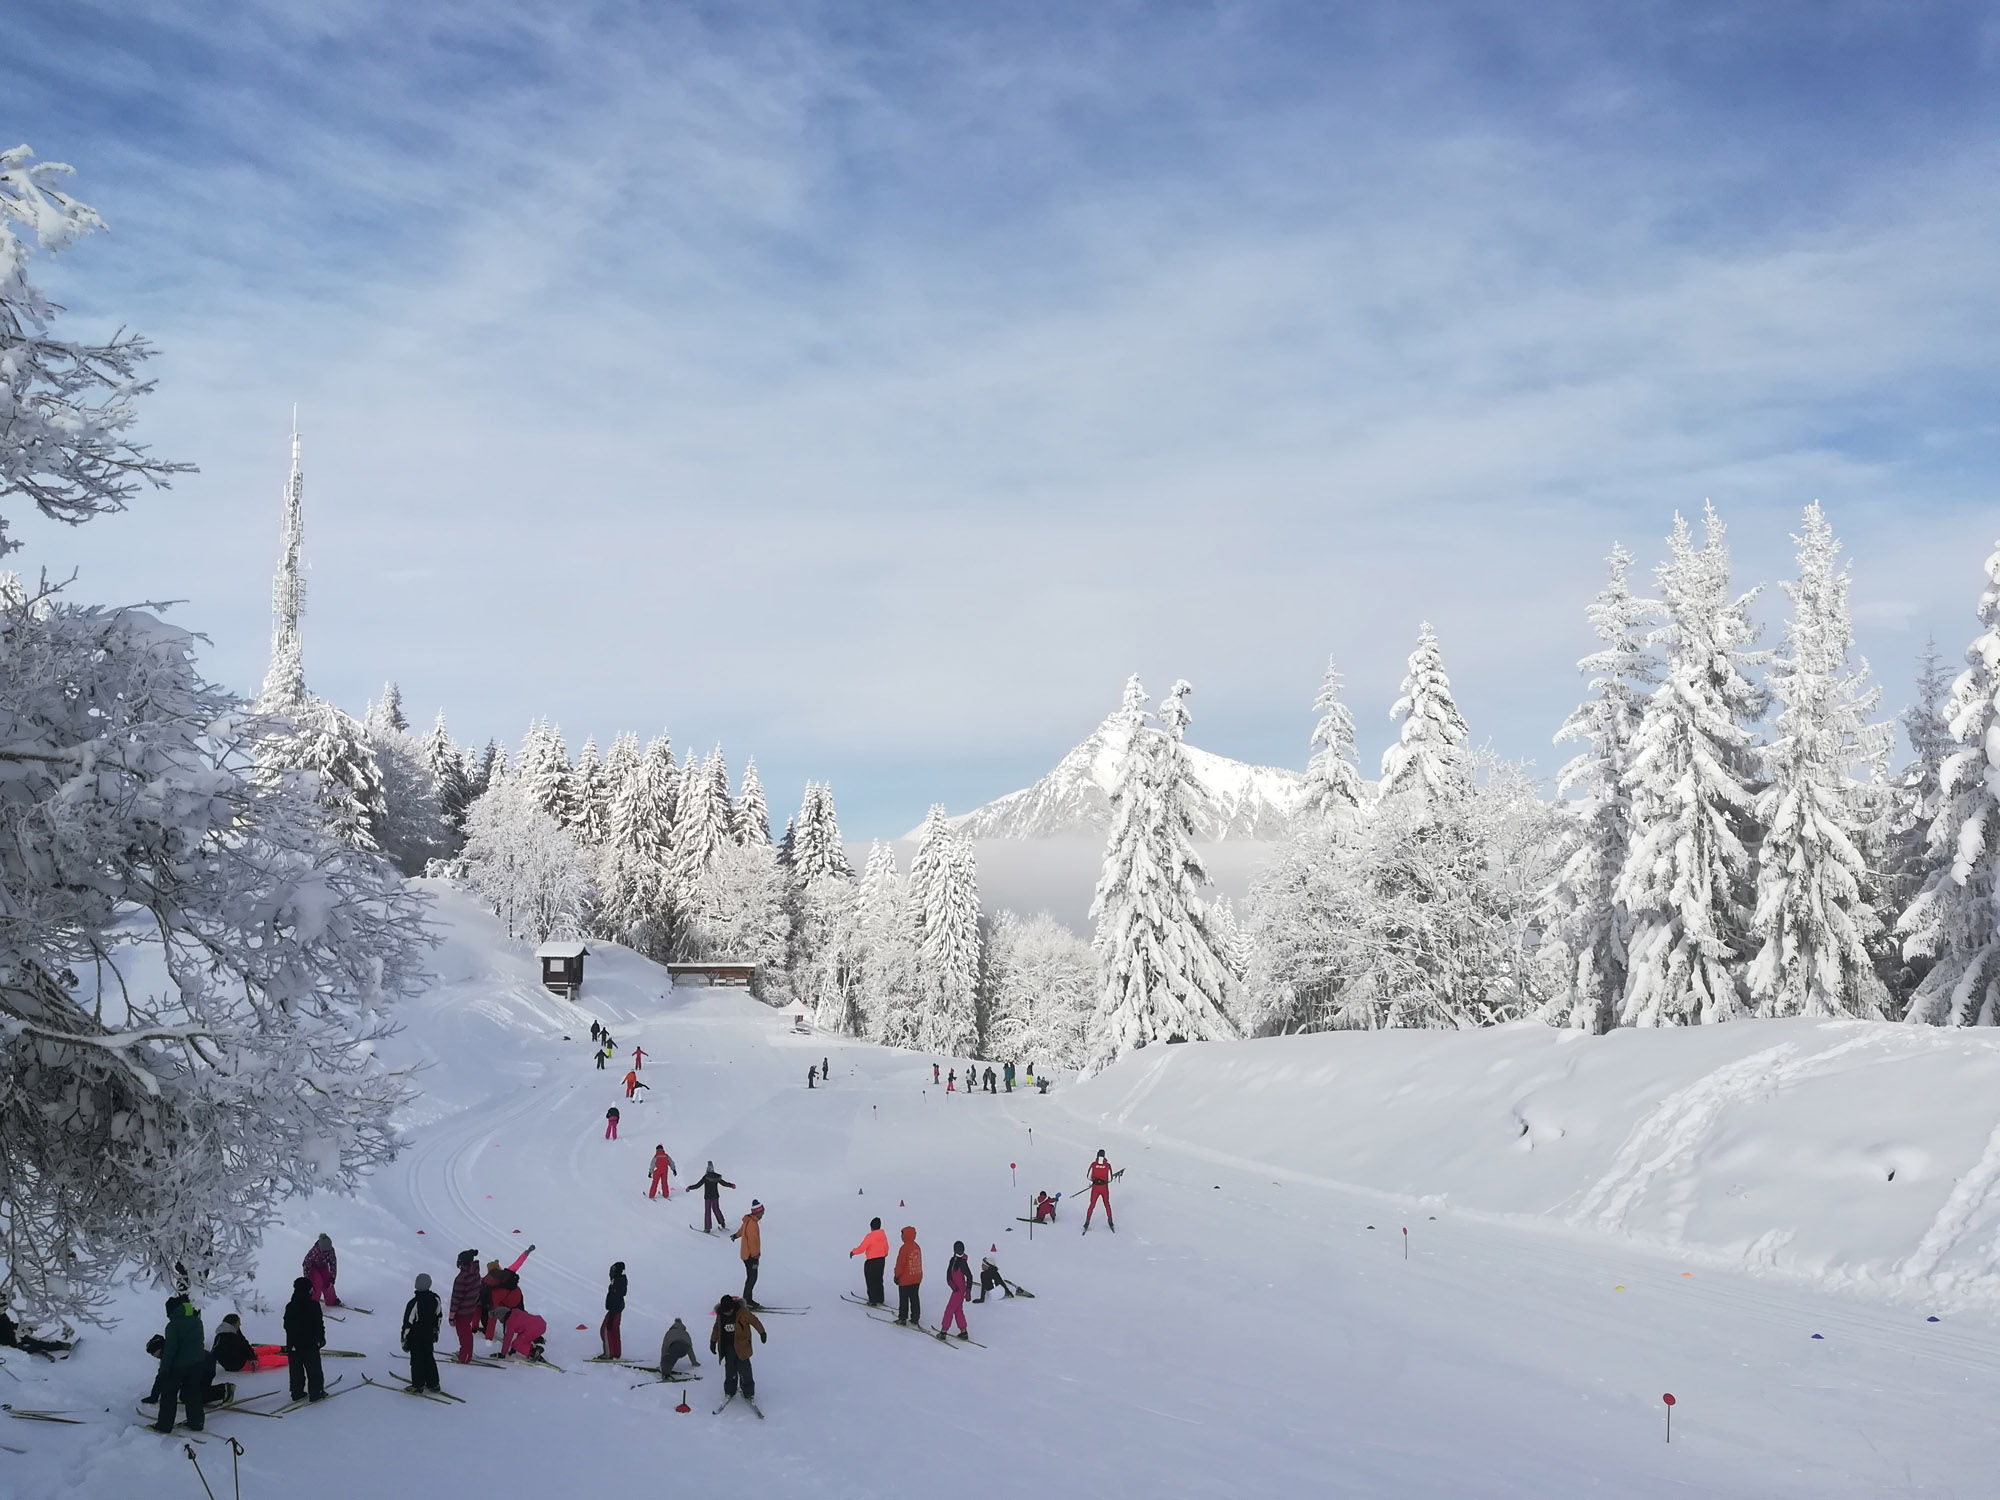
point(188, 1448)
point(236, 1466)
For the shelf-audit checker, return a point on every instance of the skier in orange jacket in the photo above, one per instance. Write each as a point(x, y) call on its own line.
point(875, 1247)
point(909, 1277)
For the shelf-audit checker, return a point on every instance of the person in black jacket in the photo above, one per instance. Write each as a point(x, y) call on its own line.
point(614, 1309)
point(711, 1184)
point(423, 1317)
point(232, 1350)
point(305, 1336)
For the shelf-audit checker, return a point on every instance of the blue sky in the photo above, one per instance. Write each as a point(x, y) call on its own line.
point(873, 388)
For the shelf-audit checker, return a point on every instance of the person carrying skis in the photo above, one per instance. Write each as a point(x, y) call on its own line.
point(875, 1247)
point(752, 1250)
point(909, 1277)
point(957, 1276)
point(184, 1365)
point(614, 1310)
point(1100, 1188)
point(305, 1336)
point(663, 1167)
point(678, 1345)
point(711, 1183)
point(611, 1123)
point(321, 1266)
point(422, 1318)
point(465, 1310)
point(730, 1339)
point(989, 1278)
point(638, 1058)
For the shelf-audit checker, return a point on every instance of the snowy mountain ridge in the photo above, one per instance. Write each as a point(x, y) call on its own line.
point(1236, 800)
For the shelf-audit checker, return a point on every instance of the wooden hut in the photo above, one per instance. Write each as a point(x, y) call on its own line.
point(715, 971)
point(562, 966)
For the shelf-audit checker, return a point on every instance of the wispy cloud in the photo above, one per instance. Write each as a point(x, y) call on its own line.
point(878, 396)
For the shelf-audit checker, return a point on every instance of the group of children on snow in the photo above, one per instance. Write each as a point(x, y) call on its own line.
point(991, 1080)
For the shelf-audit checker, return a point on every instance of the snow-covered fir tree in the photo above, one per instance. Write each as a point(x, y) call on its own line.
point(1693, 778)
point(743, 916)
point(1160, 978)
point(637, 905)
point(752, 823)
point(824, 966)
point(543, 768)
point(887, 998)
point(1584, 916)
point(410, 827)
point(816, 847)
point(1904, 843)
point(385, 715)
point(944, 905)
point(530, 869)
point(1042, 982)
point(446, 763)
point(1333, 780)
point(1429, 757)
point(1953, 925)
point(1815, 916)
point(786, 841)
point(491, 767)
point(593, 797)
point(701, 821)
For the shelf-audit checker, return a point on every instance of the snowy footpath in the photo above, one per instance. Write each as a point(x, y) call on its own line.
point(1260, 1323)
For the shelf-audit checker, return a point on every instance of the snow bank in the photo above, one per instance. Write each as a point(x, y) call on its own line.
point(1855, 1153)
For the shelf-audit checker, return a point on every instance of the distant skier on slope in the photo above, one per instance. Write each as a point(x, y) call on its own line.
point(730, 1340)
point(957, 1276)
point(321, 1266)
point(812, 1073)
point(752, 1250)
point(909, 1279)
point(1100, 1188)
point(992, 1079)
point(602, 1054)
point(638, 1058)
point(611, 1123)
point(951, 1082)
point(711, 1183)
point(596, 1032)
point(663, 1167)
point(875, 1247)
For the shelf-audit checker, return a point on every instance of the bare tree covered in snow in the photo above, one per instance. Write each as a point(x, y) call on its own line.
point(1585, 917)
point(65, 407)
point(1953, 923)
point(1693, 777)
point(531, 870)
point(1042, 986)
point(1160, 978)
point(1815, 912)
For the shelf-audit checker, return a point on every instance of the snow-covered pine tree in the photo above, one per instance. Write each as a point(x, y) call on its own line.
point(386, 713)
point(1905, 839)
point(786, 843)
point(544, 769)
point(314, 737)
point(446, 763)
point(410, 828)
point(1582, 913)
point(1815, 916)
point(744, 916)
point(1333, 781)
point(824, 964)
point(1693, 778)
point(621, 764)
point(1429, 757)
point(1160, 978)
point(1954, 923)
point(68, 405)
point(638, 905)
point(947, 939)
point(887, 999)
point(701, 824)
point(816, 848)
point(593, 797)
point(753, 816)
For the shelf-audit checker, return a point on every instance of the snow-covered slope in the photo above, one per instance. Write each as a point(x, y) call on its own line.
point(1845, 1152)
point(1237, 801)
point(1249, 1325)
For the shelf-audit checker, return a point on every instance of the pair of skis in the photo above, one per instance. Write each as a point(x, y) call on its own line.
point(442, 1398)
point(937, 1335)
point(746, 1401)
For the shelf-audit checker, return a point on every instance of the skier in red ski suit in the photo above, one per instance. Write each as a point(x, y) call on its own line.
point(662, 1165)
point(638, 1058)
point(1100, 1188)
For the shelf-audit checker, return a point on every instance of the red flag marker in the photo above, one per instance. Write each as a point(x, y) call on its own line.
point(1669, 1399)
point(1010, 1175)
point(1406, 1241)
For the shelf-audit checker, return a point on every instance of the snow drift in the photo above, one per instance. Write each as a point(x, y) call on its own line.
point(1856, 1153)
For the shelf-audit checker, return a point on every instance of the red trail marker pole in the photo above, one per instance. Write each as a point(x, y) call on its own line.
point(1010, 1174)
point(1669, 1399)
point(1406, 1242)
